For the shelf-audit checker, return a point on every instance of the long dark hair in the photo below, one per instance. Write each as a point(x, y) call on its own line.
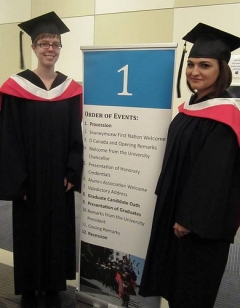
point(222, 83)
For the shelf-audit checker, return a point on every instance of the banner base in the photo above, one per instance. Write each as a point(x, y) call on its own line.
point(90, 300)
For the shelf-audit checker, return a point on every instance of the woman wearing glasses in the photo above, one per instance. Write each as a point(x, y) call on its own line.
point(41, 159)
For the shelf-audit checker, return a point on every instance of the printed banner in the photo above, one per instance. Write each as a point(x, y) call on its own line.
point(127, 111)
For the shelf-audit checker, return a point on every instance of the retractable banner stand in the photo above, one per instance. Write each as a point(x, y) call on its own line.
point(126, 114)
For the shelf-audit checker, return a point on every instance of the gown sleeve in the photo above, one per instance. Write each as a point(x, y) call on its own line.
point(210, 199)
point(75, 156)
point(13, 173)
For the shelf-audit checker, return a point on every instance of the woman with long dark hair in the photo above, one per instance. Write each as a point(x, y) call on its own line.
point(198, 195)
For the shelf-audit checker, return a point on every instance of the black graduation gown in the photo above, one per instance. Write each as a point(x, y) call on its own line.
point(199, 188)
point(41, 143)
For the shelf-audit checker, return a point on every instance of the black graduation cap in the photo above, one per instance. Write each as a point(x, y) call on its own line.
point(209, 42)
point(47, 23)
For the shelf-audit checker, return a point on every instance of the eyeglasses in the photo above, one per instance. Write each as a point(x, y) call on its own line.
point(47, 45)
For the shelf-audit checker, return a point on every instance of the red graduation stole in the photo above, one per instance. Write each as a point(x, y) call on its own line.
point(224, 110)
point(21, 87)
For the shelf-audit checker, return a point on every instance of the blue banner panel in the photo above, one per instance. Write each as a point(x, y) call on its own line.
point(143, 77)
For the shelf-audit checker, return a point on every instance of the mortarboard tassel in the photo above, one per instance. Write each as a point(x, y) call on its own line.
point(180, 70)
point(21, 50)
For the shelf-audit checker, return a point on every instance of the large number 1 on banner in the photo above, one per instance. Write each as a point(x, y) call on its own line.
point(125, 80)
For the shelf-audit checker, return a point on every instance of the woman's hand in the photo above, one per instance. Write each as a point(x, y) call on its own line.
point(67, 184)
point(180, 231)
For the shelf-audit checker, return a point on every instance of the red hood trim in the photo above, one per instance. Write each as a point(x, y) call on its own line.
point(20, 87)
point(222, 110)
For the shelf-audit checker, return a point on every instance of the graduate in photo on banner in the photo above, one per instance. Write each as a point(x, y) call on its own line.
point(41, 160)
point(198, 205)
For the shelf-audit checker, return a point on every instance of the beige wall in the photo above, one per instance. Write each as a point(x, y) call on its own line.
point(9, 50)
point(134, 27)
point(110, 22)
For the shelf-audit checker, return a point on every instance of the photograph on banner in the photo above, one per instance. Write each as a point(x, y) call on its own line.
point(112, 274)
point(125, 124)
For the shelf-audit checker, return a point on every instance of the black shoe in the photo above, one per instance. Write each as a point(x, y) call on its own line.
point(53, 299)
point(29, 300)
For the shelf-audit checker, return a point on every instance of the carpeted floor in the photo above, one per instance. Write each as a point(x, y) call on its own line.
point(9, 300)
